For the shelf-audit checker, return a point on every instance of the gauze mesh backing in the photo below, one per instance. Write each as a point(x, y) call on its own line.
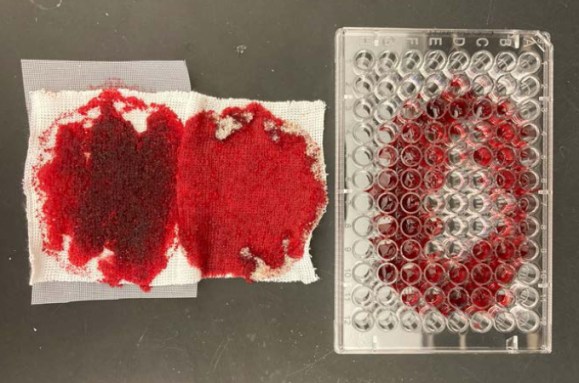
point(55, 76)
point(47, 106)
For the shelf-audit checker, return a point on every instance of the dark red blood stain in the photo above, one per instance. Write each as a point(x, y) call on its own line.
point(458, 297)
point(433, 226)
point(483, 108)
point(388, 273)
point(109, 187)
point(387, 202)
point(387, 179)
point(411, 132)
point(410, 249)
point(252, 190)
point(455, 129)
point(411, 156)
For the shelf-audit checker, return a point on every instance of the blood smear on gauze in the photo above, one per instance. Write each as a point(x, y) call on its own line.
point(111, 189)
point(250, 191)
point(124, 184)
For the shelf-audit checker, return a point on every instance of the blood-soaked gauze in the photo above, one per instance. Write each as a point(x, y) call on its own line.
point(250, 189)
point(149, 189)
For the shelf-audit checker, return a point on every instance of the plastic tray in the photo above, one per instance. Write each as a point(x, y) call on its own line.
point(443, 191)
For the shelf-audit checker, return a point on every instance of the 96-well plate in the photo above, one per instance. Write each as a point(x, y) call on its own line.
point(443, 194)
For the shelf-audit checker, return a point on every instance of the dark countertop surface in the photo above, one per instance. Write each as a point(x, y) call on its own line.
point(236, 332)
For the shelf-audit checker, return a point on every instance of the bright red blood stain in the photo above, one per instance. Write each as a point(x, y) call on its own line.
point(506, 179)
point(506, 132)
point(457, 130)
point(483, 108)
point(433, 180)
point(481, 297)
point(410, 296)
point(434, 132)
point(109, 187)
point(483, 156)
point(434, 273)
point(481, 132)
point(482, 251)
point(504, 273)
point(505, 156)
point(436, 108)
point(434, 155)
point(505, 109)
point(505, 249)
point(458, 273)
point(505, 297)
point(253, 190)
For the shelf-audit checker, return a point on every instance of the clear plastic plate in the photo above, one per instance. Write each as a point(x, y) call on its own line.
point(444, 191)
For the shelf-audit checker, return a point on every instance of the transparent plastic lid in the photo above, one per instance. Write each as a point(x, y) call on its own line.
point(444, 191)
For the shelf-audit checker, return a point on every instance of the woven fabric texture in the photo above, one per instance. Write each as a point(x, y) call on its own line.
point(47, 107)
